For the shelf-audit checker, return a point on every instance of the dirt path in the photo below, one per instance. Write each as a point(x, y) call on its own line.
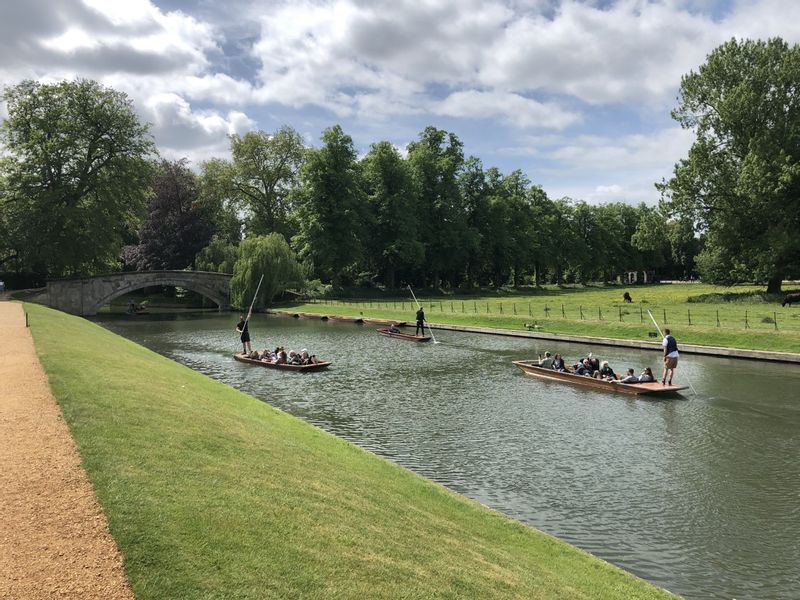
point(54, 539)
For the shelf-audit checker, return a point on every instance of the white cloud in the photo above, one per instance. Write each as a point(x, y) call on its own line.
point(513, 108)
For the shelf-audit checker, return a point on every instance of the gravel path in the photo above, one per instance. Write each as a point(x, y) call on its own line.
point(54, 539)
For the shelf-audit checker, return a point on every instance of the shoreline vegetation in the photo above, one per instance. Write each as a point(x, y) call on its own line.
point(210, 493)
point(698, 314)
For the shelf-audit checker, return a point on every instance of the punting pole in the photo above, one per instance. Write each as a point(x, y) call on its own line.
point(652, 318)
point(418, 306)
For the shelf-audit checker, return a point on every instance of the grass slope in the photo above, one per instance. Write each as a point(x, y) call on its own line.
point(210, 493)
point(700, 314)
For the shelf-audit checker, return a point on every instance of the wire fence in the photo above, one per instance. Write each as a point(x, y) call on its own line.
point(766, 318)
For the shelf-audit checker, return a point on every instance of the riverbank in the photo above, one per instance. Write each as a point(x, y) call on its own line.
point(211, 493)
point(783, 357)
point(54, 539)
point(699, 315)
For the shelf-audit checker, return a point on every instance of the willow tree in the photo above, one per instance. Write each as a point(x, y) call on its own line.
point(271, 257)
point(740, 183)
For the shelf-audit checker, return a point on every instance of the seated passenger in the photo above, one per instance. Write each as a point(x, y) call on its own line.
point(646, 376)
point(630, 377)
point(584, 368)
point(546, 362)
point(253, 354)
point(558, 363)
point(394, 328)
point(605, 372)
point(281, 358)
point(594, 362)
point(294, 358)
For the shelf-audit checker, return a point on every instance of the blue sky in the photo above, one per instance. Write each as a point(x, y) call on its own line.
point(576, 94)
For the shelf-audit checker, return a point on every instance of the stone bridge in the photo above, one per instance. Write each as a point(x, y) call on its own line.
point(85, 296)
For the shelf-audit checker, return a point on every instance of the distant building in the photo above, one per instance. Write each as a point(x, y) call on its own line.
point(634, 277)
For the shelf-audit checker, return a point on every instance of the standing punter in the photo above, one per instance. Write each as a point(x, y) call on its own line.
point(670, 357)
point(420, 321)
point(241, 327)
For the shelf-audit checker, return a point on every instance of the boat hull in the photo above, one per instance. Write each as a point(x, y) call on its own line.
point(283, 367)
point(652, 388)
point(404, 336)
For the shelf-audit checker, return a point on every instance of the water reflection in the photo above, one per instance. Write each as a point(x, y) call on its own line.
point(698, 495)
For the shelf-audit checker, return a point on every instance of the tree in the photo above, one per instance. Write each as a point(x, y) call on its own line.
point(219, 257)
point(740, 183)
point(436, 161)
point(330, 207)
point(75, 176)
point(393, 244)
point(271, 257)
point(220, 199)
point(177, 226)
point(263, 172)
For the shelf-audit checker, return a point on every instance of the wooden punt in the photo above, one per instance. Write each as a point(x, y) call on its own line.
point(404, 336)
point(312, 367)
point(651, 388)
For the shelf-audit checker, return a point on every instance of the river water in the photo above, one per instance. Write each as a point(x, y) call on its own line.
point(699, 494)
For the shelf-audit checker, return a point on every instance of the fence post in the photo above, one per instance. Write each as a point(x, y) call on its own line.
point(689, 314)
point(451, 306)
point(580, 309)
point(440, 306)
point(775, 320)
point(620, 314)
point(746, 324)
point(665, 316)
point(501, 308)
point(475, 305)
point(462, 306)
point(514, 306)
point(530, 314)
point(563, 314)
point(546, 310)
point(487, 307)
point(641, 314)
point(717, 317)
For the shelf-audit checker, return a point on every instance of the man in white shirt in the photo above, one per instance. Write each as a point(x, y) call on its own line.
point(670, 356)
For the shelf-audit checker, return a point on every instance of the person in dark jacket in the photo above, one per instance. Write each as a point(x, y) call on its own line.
point(420, 322)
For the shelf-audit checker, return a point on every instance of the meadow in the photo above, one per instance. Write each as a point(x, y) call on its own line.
point(735, 317)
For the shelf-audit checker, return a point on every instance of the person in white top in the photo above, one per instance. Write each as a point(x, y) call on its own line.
point(670, 357)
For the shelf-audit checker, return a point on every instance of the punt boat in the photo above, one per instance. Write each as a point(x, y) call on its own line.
point(529, 367)
point(404, 336)
point(285, 366)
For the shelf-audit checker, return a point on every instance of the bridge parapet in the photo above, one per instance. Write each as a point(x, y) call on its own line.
point(86, 295)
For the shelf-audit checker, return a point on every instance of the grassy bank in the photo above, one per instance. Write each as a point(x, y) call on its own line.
point(213, 494)
point(701, 314)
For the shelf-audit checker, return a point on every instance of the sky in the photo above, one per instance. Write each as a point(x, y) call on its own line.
point(575, 94)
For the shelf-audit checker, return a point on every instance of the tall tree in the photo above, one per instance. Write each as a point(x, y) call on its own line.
point(270, 256)
point(436, 160)
point(177, 226)
point(330, 207)
point(220, 199)
point(76, 175)
point(740, 183)
point(393, 243)
point(263, 172)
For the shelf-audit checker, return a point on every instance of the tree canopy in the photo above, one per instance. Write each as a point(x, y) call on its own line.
point(271, 257)
point(740, 183)
point(75, 176)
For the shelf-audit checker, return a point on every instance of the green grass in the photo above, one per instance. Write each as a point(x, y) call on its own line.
point(212, 494)
point(738, 317)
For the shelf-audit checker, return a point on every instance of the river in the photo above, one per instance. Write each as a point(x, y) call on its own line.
point(699, 494)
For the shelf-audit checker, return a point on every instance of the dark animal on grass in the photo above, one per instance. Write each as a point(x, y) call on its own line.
point(627, 297)
point(791, 298)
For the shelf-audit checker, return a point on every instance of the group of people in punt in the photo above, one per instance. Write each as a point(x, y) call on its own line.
point(591, 366)
point(280, 357)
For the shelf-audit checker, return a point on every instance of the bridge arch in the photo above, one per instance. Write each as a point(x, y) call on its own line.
point(85, 296)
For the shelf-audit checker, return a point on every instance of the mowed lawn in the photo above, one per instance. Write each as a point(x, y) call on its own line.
point(736, 317)
point(211, 493)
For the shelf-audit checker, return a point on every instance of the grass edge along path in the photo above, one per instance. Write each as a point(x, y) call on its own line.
point(211, 494)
